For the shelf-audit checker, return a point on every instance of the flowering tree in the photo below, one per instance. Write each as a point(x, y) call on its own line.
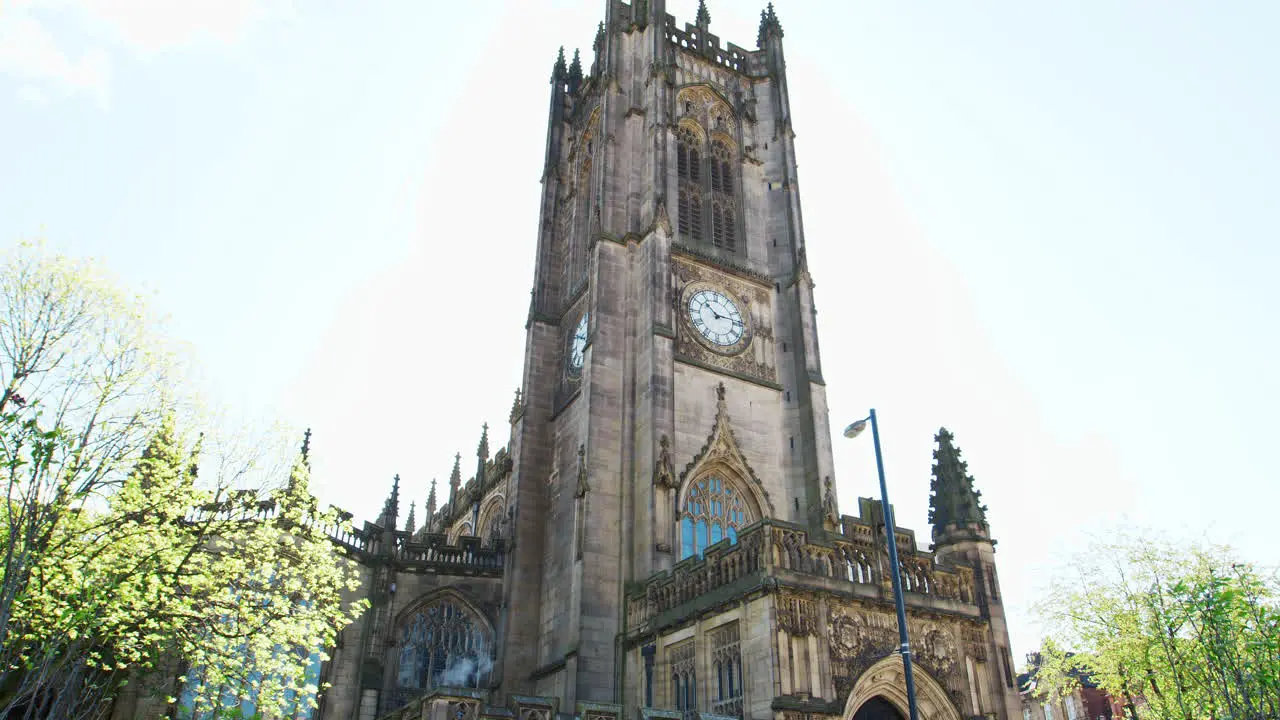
point(123, 563)
point(1174, 631)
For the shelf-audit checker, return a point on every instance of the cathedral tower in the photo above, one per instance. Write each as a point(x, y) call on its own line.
point(672, 381)
point(660, 537)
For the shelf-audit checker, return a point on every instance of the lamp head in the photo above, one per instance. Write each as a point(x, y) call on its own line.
point(855, 429)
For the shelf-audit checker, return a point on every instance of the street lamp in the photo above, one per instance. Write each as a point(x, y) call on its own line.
point(851, 432)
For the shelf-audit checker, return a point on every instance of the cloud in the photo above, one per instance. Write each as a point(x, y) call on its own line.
point(30, 52)
point(69, 46)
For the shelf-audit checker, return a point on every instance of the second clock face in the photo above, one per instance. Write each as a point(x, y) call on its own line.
point(578, 346)
point(716, 317)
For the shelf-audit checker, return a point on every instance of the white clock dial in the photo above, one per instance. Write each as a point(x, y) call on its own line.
point(578, 345)
point(716, 317)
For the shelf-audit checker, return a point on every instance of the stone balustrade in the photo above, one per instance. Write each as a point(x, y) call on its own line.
point(771, 551)
point(428, 553)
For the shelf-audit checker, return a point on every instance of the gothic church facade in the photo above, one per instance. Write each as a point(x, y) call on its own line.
point(660, 537)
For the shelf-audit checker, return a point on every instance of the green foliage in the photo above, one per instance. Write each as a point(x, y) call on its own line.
point(122, 563)
point(1182, 631)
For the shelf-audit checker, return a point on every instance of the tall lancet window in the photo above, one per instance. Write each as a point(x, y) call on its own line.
point(689, 172)
point(714, 509)
point(724, 214)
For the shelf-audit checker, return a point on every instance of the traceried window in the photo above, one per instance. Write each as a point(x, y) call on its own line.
point(707, 207)
point(442, 644)
point(714, 509)
point(721, 167)
point(689, 171)
point(684, 677)
point(726, 663)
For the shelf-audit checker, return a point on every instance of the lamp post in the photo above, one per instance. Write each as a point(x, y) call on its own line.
point(890, 536)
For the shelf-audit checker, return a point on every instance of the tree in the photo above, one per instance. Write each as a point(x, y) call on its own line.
point(1181, 630)
point(124, 563)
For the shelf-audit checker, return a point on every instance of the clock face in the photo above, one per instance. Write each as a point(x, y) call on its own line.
point(716, 317)
point(577, 346)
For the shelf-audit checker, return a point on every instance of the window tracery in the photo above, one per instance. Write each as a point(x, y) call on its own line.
point(714, 509)
point(684, 677)
point(726, 661)
point(704, 168)
point(443, 644)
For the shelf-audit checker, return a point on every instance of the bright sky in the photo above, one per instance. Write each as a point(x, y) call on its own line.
point(1051, 228)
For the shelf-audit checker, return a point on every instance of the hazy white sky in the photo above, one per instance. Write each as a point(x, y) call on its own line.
point(1050, 228)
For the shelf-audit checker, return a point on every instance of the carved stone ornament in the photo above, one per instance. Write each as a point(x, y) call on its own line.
point(463, 710)
point(858, 640)
point(721, 449)
point(797, 616)
point(829, 503)
point(664, 474)
point(661, 220)
point(707, 106)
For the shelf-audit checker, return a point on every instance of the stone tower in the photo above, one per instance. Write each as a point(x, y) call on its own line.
point(671, 335)
point(660, 538)
point(961, 536)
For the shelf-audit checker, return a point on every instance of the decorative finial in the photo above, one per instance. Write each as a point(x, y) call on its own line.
point(704, 17)
point(575, 72)
point(517, 407)
point(431, 502)
point(482, 451)
point(769, 25)
point(558, 71)
point(306, 447)
point(391, 509)
point(409, 526)
point(599, 43)
point(583, 486)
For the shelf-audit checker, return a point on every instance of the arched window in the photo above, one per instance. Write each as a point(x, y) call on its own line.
point(706, 201)
point(443, 643)
point(689, 170)
point(714, 509)
point(721, 169)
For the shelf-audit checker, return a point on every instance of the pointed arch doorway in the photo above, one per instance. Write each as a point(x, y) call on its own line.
point(877, 708)
point(882, 688)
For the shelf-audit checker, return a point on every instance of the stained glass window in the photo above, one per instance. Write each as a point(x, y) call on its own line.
point(714, 509)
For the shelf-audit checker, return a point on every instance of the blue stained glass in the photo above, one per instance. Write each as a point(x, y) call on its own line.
point(702, 536)
point(733, 534)
point(717, 534)
point(686, 538)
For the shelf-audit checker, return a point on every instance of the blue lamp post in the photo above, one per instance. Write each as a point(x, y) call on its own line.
point(905, 650)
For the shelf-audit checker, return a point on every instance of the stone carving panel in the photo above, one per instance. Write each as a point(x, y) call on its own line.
point(859, 639)
point(755, 358)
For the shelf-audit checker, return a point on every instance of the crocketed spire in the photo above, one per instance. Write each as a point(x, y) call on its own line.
point(575, 72)
point(704, 17)
point(455, 482)
point(559, 71)
point(769, 25)
point(954, 505)
point(391, 509)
